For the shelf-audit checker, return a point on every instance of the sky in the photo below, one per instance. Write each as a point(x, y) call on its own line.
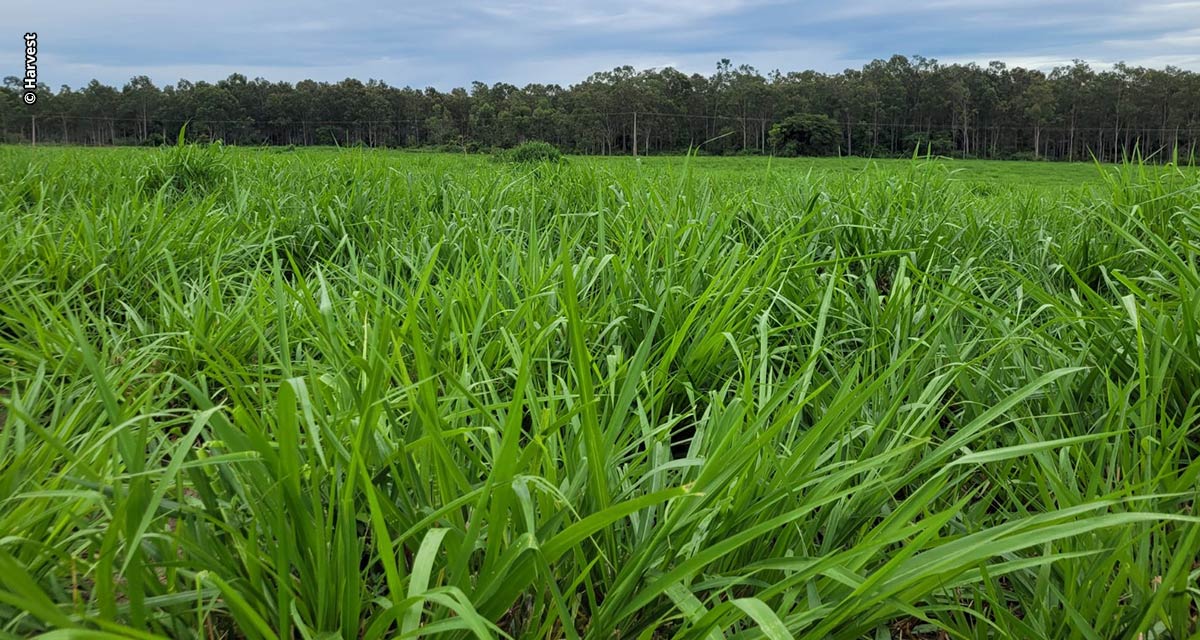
point(449, 43)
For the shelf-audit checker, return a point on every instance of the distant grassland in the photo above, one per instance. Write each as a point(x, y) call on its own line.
point(1011, 173)
point(322, 394)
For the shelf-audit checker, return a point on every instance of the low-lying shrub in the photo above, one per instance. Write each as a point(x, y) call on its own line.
point(185, 168)
point(532, 152)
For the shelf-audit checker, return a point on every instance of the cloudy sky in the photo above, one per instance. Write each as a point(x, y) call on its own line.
point(446, 43)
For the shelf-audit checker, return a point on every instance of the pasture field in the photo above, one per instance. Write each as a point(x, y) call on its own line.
point(351, 394)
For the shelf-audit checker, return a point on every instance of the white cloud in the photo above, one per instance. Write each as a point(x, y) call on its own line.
point(452, 42)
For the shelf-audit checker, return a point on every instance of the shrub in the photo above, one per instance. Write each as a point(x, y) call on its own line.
point(185, 168)
point(155, 139)
point(533, 152)
point(807, 134)
point(941, 143)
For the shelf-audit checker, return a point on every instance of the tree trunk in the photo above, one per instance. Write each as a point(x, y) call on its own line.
point(1071, 144)
point(849, 136)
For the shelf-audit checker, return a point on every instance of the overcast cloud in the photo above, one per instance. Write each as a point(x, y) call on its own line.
point(450, 43)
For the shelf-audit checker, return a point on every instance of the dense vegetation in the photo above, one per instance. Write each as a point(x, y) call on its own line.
point(886, 108)
point(312, 394)
point(534, 151)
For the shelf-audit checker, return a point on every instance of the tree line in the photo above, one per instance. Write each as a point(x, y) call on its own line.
point(886, 108)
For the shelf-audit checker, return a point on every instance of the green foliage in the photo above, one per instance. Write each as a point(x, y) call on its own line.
point(155, 139)
point(532, 152)
point(806, 134)
point(377, 395)
point(186, 168)
point(941, 143)
point(988, 111)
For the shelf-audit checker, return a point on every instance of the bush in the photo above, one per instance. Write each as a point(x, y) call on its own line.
point(155, 139)
point(185, 168)
point(533, 152)
point(941, 143)
point(807, 134)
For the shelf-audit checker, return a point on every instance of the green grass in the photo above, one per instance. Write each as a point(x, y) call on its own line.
point(1029, 174)
point(255, 394)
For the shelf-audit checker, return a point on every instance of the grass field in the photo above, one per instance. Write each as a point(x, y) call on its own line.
point(321, 394)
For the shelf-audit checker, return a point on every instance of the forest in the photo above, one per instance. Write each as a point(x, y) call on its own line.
point(887, 108)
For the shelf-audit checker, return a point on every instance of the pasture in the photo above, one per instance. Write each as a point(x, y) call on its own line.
point(364, 394)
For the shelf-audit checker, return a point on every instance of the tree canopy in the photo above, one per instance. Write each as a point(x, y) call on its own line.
point(805, 135)
point(885, 108)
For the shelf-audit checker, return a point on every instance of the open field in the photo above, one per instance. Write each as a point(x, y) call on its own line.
point(321, 394)
point(1043, 175)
